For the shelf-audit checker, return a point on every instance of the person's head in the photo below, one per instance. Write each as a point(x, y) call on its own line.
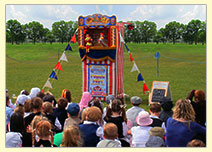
point(49, 98)
point(7, 100)
point(116, 107)
point(27, 106)
point(66, 94)
point(36, 104)
point(40, 94)
point(47, 108)
point(110, 131)
point(62, 103)
point(43, 130)
point(19, 109)
point(166, 104)
point(17, 122)
point(155, 109)
point(86, 97)
point(33, 92)
point(37, 119)
point(196, 143)
point(184, 110)
point(135, 100)
point(73, 109)
point(97, 103)
point(71, 137)
point(21, 99)
point(83, 115)
point(93, 114)
point(109, 99)
point(157, 131)
point(199, 95)
point(24, 92)
point(143, 119)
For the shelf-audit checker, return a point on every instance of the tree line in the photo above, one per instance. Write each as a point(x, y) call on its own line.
point(192, 33)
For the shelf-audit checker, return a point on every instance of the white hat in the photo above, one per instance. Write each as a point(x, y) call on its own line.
point(22, 98)
point(143, 119)
point(34, 92)
point(13, 139)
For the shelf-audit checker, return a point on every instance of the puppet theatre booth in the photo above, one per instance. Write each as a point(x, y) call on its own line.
point(102, 54)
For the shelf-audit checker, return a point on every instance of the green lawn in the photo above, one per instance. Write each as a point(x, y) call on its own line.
point(183, 65)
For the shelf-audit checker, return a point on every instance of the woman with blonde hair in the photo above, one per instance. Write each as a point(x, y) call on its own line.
point(182, 128)
point(71, 137)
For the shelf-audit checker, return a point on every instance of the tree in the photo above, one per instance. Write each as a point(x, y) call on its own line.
point(148, 30)
point(192, 30)
point(158, 37)
point(50, 37)
point(60, 29)
point(43, 33)
point(202, 33)
point(34, 30)
point(13, 29)
point(173, 31)
point(163, 35)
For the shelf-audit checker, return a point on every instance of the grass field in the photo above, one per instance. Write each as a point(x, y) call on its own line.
point(183, 65)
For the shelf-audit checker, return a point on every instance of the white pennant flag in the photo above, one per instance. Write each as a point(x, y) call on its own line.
point(48, 84)
point(122, 40)
point(134, 68)
point(63, 57)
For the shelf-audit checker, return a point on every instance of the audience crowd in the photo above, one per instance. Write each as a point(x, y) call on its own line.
point(37, 119)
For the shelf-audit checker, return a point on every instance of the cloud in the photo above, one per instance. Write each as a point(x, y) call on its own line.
point(12, 13)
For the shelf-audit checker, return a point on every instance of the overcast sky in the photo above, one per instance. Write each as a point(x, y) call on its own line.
point(160, 14)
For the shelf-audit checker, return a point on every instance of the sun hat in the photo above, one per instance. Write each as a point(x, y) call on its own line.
point(22, 98)
point(157, 131)
point(13, 139)
point(135, 100)
point(86, 97)
point(33, 92)
point(73, 109)
point(109, 99)
point(143, 119)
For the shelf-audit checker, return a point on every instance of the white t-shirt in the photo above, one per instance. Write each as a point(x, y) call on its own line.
point(140, 135)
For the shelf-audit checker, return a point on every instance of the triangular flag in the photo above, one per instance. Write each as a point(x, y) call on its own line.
point(121, 38)
point(134, 68)
point(42, 90)
point(58, 66)
point(63, 57)
point(145, 88)
point(140, 78)
point(73, 39)
point(53, 75)
point(126, 47)
point(68, 47)
point(48, 84)
point(131, 58)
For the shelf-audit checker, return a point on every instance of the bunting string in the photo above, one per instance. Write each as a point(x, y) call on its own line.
point(135, 67)
point(58, 66)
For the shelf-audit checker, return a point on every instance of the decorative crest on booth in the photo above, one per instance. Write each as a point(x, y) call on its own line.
point(97, 20)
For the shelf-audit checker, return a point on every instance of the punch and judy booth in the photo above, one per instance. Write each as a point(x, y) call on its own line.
point(102, 53)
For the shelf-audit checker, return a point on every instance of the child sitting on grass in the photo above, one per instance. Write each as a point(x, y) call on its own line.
point(110, 134)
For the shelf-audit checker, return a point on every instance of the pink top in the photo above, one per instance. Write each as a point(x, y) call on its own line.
point(86, 97)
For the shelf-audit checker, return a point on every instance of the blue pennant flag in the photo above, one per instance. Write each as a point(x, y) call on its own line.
point(126, 47)
point(68, 47)
point(140, 78)
point(53, 75)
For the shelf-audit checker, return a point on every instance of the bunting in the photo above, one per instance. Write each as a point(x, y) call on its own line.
point(145, 88)
point(134, 68)
point(68, 47)
point(140, 78)
point(58, 66)
point(53, 75)
point(73, 39)
point(48, 84)
point(63, 58)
